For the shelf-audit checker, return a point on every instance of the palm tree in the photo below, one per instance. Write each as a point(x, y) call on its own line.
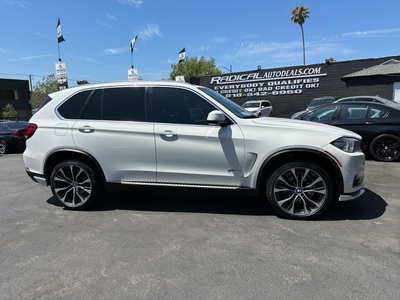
point(299, 15)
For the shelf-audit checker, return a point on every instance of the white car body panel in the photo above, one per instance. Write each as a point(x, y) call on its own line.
point(130, 160)
point(208, 155)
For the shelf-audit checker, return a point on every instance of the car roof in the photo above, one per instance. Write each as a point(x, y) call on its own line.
point(321, 100)
point(350, 103)
point(366, 96)
point(123, 83)
point(324, 97)
point(249, 101)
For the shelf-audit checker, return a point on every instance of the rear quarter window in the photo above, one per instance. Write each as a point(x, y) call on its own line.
point(71, 108)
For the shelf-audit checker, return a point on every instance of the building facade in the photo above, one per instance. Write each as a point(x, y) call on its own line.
point(16, 93)
point(290, 89)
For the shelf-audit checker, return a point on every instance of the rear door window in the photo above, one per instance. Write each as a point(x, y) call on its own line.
point(117, 104)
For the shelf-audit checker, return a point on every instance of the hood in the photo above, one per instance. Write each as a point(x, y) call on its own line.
point(252, 109)
point(304, 126)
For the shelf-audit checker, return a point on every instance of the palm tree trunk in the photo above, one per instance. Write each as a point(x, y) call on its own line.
point(304, 48)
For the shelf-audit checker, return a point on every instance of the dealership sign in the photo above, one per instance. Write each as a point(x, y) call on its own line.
point(268, 83)
point(61, 75)
point(133, 74)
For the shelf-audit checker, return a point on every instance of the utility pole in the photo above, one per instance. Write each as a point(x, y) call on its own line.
point(230, 68)
point(30, 82)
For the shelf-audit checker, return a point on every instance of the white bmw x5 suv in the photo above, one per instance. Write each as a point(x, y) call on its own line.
point(89, 139)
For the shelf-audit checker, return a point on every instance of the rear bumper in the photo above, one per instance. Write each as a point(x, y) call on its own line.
point(38, 178)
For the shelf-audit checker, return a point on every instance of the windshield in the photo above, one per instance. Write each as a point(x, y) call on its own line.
point(251, 104)
point(229, 104)
point(320, 101)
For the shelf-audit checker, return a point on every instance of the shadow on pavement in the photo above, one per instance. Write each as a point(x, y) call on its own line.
point(368, 206)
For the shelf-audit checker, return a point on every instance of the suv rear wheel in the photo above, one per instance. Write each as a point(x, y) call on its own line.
point(299, 190)
point(75, 184)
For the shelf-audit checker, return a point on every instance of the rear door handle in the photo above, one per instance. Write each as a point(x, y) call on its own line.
point(86, 129)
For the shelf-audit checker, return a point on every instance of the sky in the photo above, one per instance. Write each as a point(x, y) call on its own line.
point(238, 35)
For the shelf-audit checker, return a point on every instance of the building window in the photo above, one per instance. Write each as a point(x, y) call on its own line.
point(8, 94)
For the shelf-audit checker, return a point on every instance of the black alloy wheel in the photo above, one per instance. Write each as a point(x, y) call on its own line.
point(385, 147)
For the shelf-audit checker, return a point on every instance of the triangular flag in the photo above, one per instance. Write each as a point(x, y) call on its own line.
point(59, 35)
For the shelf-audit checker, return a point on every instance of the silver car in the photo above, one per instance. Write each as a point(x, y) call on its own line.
point(261, 108)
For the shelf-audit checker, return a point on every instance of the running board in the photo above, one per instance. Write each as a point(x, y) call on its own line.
point(174, 184)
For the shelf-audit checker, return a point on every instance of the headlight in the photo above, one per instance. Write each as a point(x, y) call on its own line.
point(347, 144)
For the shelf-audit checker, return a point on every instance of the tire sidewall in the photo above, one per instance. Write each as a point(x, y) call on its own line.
point(96, 185)
point(376, 140)
point(271, 181)
point(3, 147)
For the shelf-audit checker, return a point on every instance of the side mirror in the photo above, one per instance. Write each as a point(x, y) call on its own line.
point(216, 117)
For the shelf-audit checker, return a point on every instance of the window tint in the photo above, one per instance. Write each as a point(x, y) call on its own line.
point(376, 113)
point(118, 104)
point(173, 105)
point(124, 104)
point(321, 114)
point(93, 110)
point(44, 102)
point(352, 112)
point(72, 107)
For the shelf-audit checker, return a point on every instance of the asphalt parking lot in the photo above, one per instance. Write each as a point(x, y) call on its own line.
point(169, 245)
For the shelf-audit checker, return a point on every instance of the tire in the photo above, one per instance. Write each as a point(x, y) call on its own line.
point(75, 184)
point(3, 147)
point(385, 147)
point(299, 190)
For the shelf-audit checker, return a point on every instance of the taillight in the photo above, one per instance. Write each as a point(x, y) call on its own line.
point(18, 133)
point(30, 130)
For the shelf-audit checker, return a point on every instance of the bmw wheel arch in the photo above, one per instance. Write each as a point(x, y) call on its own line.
point(75, 184)
point(299, 190)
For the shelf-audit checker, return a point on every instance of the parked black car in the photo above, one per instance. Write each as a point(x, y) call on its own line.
point(314, 103)
point(368, 99)
point(378, 124)
point(12, 136)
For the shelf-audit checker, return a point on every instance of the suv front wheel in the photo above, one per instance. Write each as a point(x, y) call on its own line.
point(299, 190)
point(75, 184)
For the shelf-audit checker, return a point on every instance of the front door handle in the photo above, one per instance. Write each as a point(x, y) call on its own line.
point(168, 133)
